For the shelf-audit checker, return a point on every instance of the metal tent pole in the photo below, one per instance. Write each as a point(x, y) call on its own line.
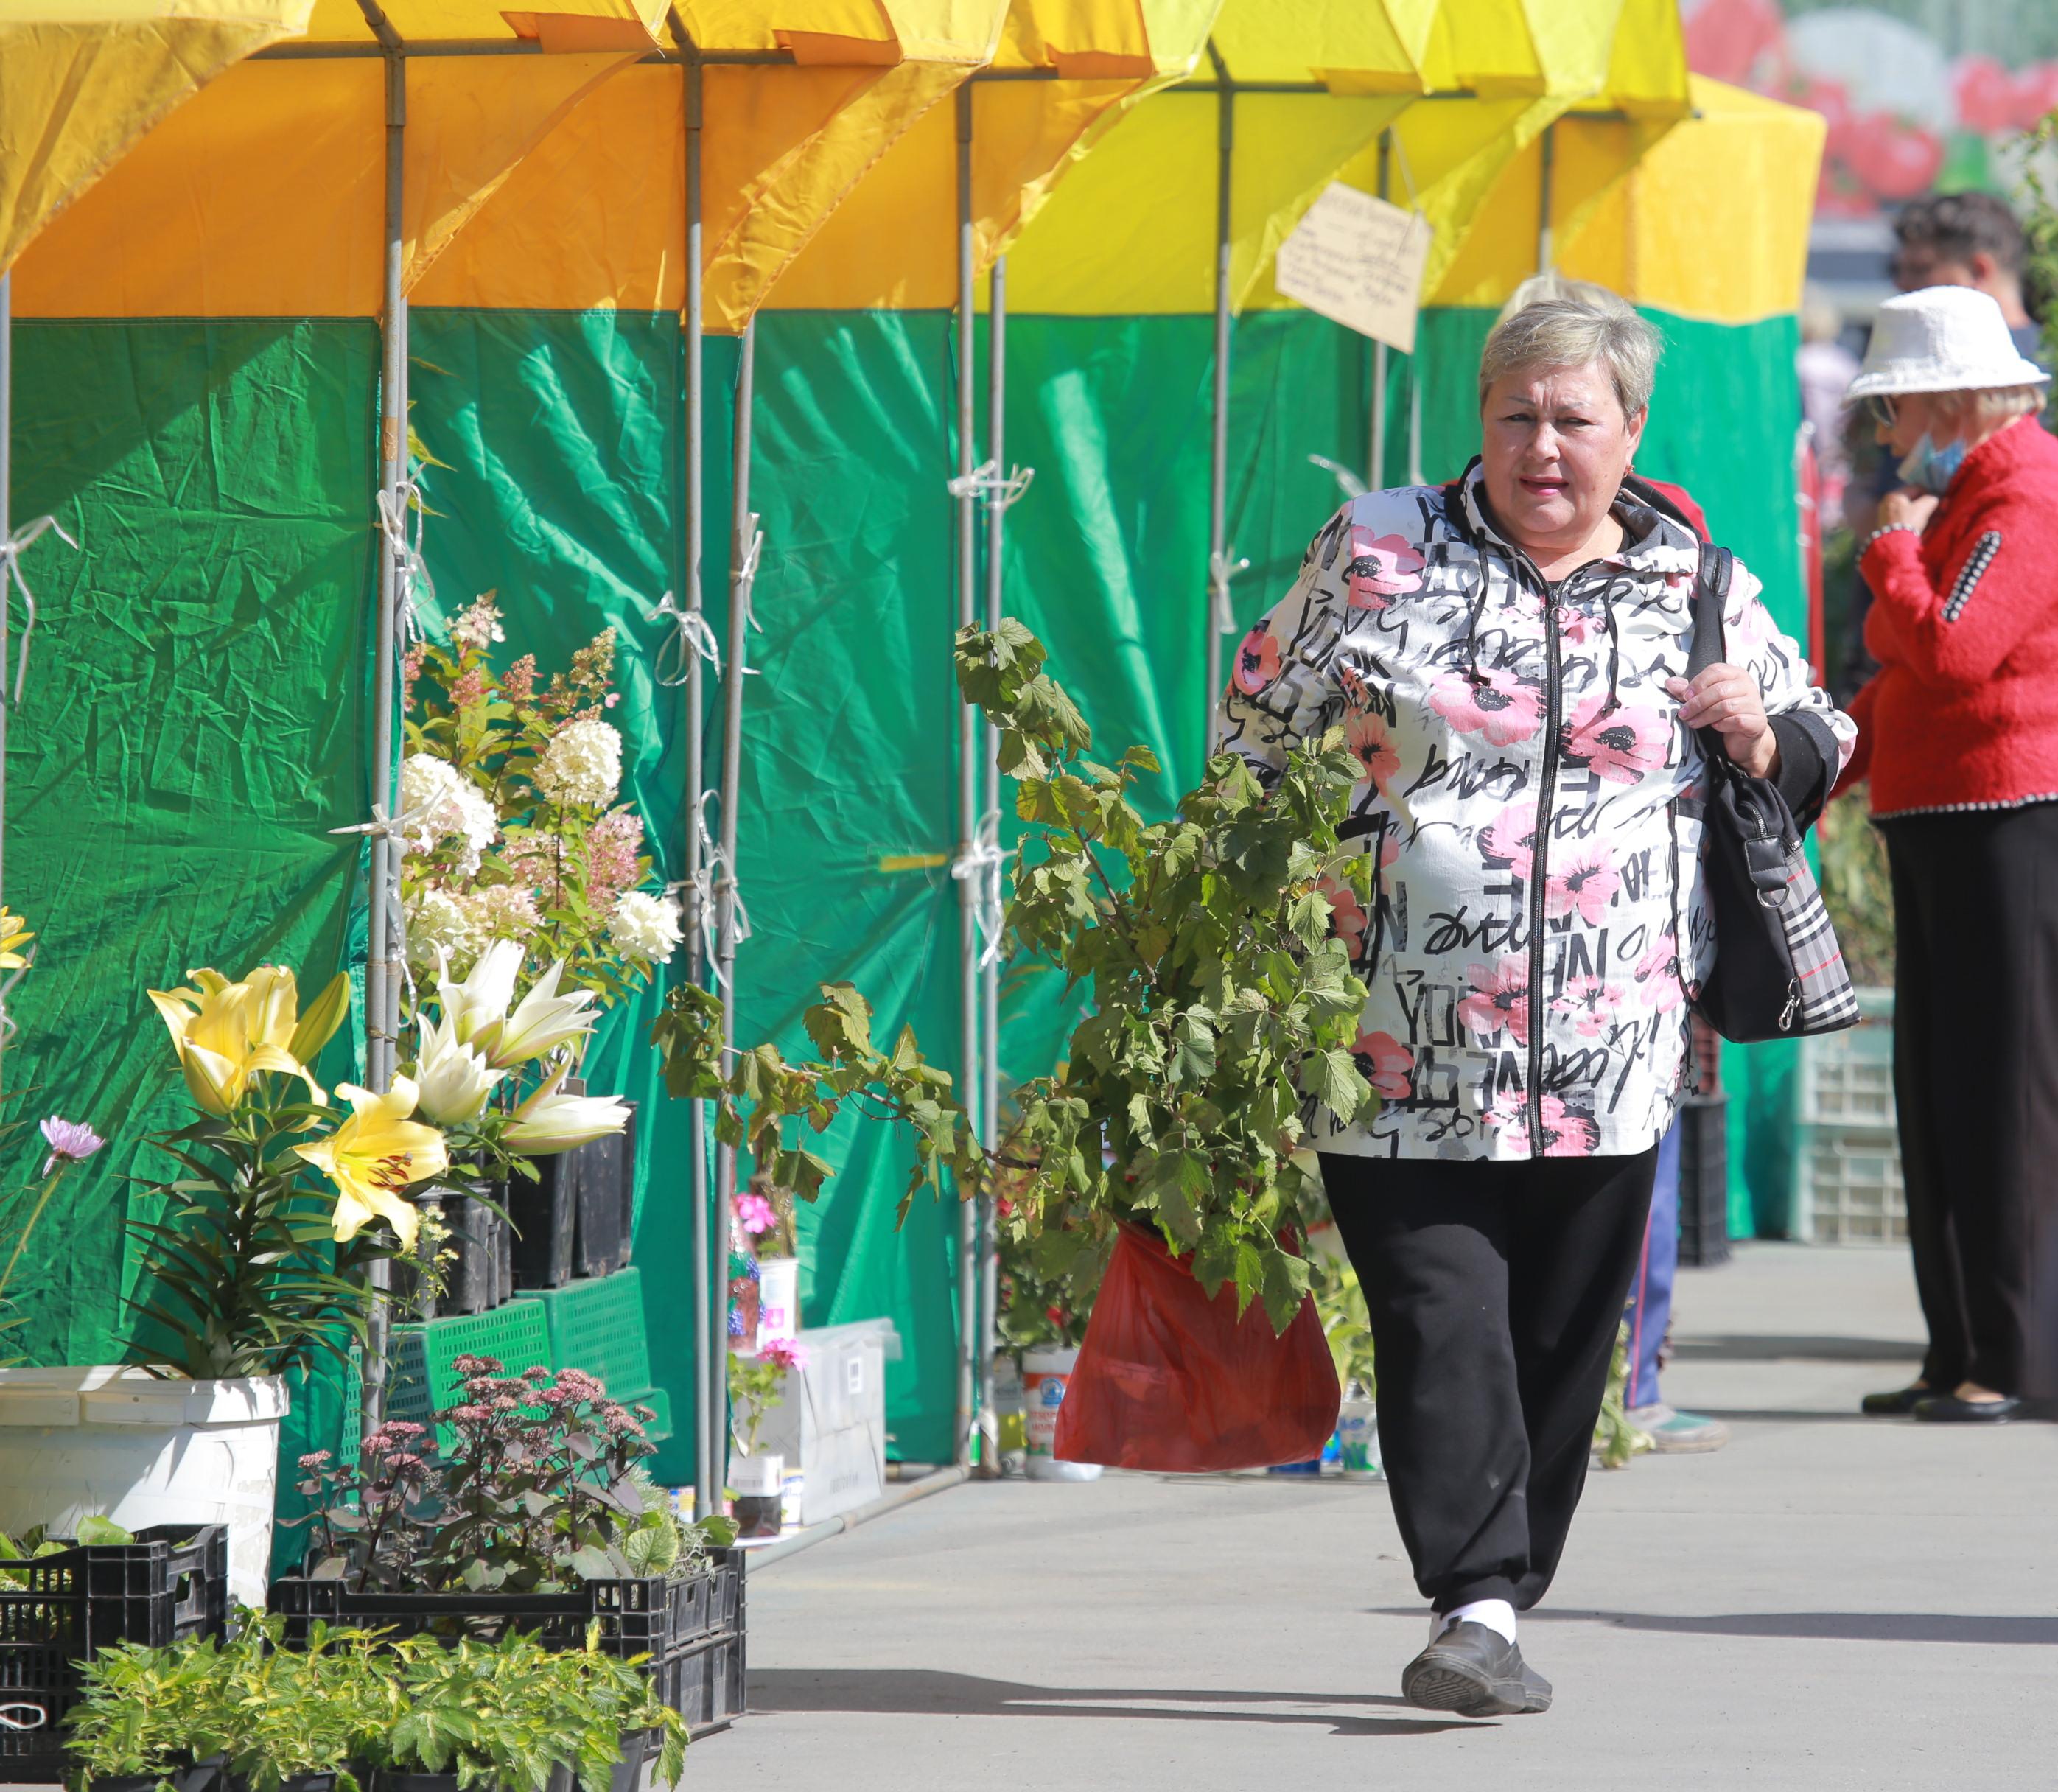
point(996, 531)
point(6, 530)
point(1549, 151)
point(710, 1389)
point(1375, 459)
point(968, 781)
point(1218, 609)
point(381, 971)
point(742, 571)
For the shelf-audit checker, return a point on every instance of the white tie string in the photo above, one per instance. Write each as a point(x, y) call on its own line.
point(11, 550)
point(691, 635)
point(981, 860)
point(409, 567)
point(704, 886)
point(1221, 570)
point(985, 482)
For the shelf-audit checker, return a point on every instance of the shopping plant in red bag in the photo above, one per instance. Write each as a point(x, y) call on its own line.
point(1221, 1006)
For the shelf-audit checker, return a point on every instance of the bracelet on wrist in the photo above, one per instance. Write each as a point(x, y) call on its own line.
point(1887, 529)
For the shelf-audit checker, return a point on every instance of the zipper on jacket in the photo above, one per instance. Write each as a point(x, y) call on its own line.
point(1546, 781)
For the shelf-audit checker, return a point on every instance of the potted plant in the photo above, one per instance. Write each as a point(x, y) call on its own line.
point(757, 1384)
point(538, 1516)
point(764, 1220)
point(259, 1259)
point(516, 845)
point(352, 1709)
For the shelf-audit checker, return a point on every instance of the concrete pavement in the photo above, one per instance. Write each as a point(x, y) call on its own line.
point(1828, 1602)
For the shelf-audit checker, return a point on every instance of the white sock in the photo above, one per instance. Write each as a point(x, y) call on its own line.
point(1498, 1615)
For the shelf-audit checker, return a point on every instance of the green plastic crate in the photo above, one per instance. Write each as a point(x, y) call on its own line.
point(419, 1376)
point(597, 1325)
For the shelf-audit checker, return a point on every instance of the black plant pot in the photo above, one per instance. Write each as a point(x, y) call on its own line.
point(481, 1275)
point(544, 1211)
point(204, 1776)
point(605, 1201)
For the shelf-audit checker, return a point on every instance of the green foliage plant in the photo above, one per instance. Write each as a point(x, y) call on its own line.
point(1616, 1440)
point(504, 1714)
point(1222, 1005)
point(1340, 1303)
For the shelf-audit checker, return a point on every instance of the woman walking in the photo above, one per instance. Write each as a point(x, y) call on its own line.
point(1959, 739)
point(1505, 655)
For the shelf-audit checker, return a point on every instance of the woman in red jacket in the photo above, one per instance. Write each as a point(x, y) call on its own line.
point(1959, 735)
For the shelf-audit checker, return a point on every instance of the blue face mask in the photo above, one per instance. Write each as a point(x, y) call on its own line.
point(1930, 467)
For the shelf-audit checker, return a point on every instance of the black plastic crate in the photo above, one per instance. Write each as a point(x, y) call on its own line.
point(172, 1582)
point(1704, 1182)
point(691, 1630)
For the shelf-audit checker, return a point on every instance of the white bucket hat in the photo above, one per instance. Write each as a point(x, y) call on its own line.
point(1943, 338)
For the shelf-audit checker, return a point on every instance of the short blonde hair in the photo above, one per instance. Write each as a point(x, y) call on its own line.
point(1573, 332)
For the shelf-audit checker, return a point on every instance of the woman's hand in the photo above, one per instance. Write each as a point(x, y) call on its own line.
point(1726, 698)
point(1909, 507)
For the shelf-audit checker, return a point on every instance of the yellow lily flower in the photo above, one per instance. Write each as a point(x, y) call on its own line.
point(373, 1155)
point(14, 933)
point(227, 1034)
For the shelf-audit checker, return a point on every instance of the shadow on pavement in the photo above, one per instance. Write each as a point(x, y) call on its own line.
point(1829, 1627)
point(1758, 1347)
point(929, 1692)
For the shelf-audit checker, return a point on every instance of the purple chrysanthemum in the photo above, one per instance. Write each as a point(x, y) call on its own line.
point(70, 1142)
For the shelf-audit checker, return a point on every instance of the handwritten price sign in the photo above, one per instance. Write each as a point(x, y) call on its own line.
point(1358, 261)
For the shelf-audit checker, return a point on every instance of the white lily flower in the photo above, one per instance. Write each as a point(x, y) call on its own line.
point(476, 1010)
point(549, 1121)
point(544, 1021)
point(454, 1078)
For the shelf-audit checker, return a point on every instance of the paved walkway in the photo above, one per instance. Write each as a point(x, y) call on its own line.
point(1828, 1602)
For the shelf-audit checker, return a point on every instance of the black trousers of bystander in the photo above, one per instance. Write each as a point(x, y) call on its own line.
point(1975, 1089)
point(1497, 1293)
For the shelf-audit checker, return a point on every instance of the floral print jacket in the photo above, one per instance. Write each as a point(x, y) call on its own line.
point(1538, 924)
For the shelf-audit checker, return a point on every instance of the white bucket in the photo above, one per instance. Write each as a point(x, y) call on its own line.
point(144, 1450)
point(778, 1300)
point(1044, 1376)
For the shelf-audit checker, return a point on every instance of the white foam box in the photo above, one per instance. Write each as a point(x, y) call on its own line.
point(830, 1422)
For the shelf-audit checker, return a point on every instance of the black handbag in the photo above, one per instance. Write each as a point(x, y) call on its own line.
point(1779, 971)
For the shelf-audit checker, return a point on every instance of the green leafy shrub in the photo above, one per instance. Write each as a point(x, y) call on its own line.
point(503, 1714)
point(1220, 1004)
point(1857, 890)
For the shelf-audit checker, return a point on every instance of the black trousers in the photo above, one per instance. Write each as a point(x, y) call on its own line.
point(1976, 1086)
point(1496, 1293)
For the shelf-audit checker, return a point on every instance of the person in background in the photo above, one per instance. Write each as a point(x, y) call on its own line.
point(1649, 1318)
point(1825, 369)
point(1959, 736)
point(1944, 239)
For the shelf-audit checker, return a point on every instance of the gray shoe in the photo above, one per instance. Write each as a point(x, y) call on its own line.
point(1536, 1690)
point(1474, 1671)
point(1675, 1433)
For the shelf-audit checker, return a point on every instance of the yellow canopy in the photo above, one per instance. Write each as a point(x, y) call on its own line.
point(523, 186)
point(1065, 71)
point(1713, 222)
point(82, 81)
point(1467, 85)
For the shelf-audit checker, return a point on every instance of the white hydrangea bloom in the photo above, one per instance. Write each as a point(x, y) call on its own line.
point(644, 926)
point(504, 911)
point(583, 764)
point(445, 804)
point(436, 920)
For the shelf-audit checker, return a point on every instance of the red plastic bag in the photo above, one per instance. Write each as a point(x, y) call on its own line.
point(1171, 1381)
